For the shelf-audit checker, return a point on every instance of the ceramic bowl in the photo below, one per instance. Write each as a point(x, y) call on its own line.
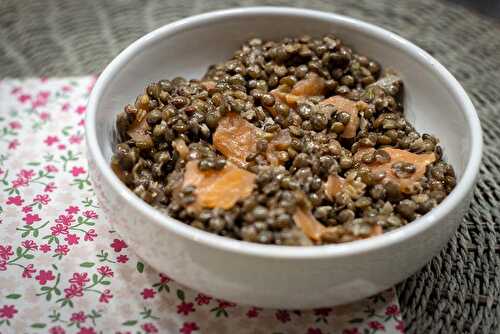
point(270, 275)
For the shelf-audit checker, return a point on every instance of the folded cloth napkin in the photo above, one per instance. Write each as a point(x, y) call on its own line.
point(64, 270)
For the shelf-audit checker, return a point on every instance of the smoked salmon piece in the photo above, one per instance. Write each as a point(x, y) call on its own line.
point(334, 185)
point(180, 146)
point(349, 184)
point(279, 143)
point(420, 161)
point(316, 231)
point(218, 188)
point(236, 138)
point(312, 85)
point(345, 105)
point(308, 224)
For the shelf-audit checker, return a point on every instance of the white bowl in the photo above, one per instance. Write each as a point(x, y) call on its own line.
point(269, 275)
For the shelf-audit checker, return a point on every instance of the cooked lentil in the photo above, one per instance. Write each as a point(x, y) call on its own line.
point(322, 167)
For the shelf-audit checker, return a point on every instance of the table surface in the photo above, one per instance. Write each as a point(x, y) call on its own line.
point(459, 290)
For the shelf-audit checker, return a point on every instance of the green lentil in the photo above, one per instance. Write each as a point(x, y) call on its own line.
point(179, 109)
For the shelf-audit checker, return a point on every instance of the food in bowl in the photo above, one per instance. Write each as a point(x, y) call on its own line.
point(293, 142)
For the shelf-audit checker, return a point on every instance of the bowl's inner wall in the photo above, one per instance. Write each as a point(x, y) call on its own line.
point(188, 51)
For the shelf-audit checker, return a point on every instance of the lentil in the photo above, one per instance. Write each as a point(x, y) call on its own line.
point(296, 145)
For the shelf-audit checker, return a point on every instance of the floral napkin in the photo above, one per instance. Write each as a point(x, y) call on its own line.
point(64, 270)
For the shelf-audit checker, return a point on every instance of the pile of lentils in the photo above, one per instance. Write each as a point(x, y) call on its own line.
point(190, 110)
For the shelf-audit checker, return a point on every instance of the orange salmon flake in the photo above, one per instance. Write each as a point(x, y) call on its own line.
point(236, 138)
point(348, 106)
point(218, 188)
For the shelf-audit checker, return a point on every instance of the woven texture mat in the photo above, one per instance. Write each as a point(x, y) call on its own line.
point(459, 290)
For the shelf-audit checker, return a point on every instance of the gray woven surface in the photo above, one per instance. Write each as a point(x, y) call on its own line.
point(459, 290)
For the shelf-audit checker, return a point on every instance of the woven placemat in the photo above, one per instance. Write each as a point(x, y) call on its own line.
point(459, 290)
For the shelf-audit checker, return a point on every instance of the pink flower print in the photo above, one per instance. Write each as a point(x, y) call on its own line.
point(350, 331)
point(42, 199)
point(3, 265)
point(118, 245)
point(79, 279)
point(375, 325)
point(66, 88)
point(283, 316)
point(314, 331)
point(189, 327)
point(26, 174)
point(65, 106)
point(253, 312)
point(61, 147)
point(15, 200)
point(44, 116)
point(149, 328)
point(13, 144)
point(44, 276)
point(19, 182)
point(15, 90)
point(164, 278)
point(91, 84)
point(80, 110)
point(29, 245)
point(202, 299)
point(45, 248)
point(78, 317)
point(73, 291)
point(23, 98)
point(59, 229)
point(15, 125)
point(82, 122)
point(225, 304)
point(62, 250)
point(105, 296)
point(41, 99)
point(185, 308)
point(86, 330)
point(75, 171)
point(90, 214)
point(51, 169)
point(122, 259)
point(72, 210)
point(65, 220)
point(72, 239)
point(50, 140)
point(148, 293)
point(6, 252)
point(90, 235)
point(105, 271)
point(27, 209)
point(29, 219)
point(75, 139)
point(7, 311)
point(392, 310)
point(44, 79)
point(50, 187)
point(400, 326)
point(28, 271)
point(57, 330)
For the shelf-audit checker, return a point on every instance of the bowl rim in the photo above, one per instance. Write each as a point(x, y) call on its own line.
point(450, 203)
